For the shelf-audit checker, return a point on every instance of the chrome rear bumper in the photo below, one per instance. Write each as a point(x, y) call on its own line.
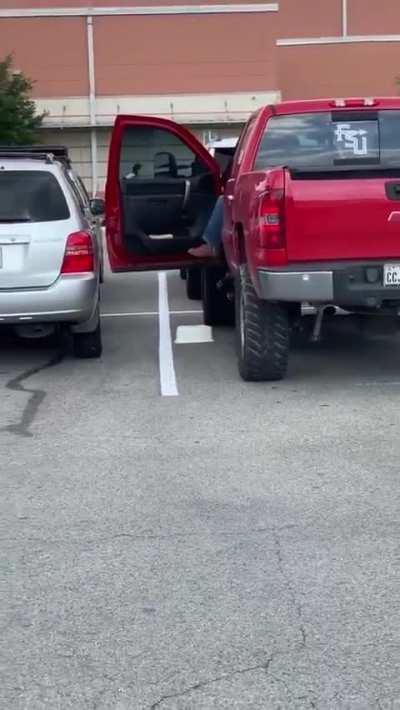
point(296, 286)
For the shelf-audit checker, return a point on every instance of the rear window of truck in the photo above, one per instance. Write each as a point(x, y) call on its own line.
point(31, 196)
point(328, 140)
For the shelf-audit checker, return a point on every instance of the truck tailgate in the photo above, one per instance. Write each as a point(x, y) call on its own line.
point(337, 216)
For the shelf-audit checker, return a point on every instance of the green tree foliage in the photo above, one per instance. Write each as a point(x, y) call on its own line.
point(19, 122)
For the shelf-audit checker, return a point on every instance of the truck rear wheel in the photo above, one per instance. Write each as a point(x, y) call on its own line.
point(217, 308)
point(262, 331)
point(193, 283)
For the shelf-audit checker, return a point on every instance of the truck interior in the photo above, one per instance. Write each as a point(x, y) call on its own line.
point(167, 192)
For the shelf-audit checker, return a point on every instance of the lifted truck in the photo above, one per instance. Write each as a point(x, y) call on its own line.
point(311, 214)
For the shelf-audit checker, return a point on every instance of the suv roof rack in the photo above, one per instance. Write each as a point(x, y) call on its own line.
point(38, 152)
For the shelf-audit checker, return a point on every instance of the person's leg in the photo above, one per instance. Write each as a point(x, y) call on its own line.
point(213, 232)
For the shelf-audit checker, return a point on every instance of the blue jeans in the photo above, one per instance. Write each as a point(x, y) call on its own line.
point(213, 232)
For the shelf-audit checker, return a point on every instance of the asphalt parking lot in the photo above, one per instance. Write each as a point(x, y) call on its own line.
point(176, 538)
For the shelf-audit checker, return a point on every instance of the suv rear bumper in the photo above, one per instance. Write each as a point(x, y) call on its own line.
point(341, 283)
point(71, 299)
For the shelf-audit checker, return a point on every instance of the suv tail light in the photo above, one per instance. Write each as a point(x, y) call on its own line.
point(79, 256)
point(271, 225)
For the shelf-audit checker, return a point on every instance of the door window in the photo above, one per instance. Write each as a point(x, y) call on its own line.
point(82, 191)
point(243, 138)
point(148, 152)
point(78, 197)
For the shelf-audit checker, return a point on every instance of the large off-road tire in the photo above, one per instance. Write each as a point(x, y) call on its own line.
point(262, 331)
point(217, 308)
point(193, 283)
point(88, 345)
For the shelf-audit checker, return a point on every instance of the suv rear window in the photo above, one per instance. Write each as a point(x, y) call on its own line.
point(31, 196)
point(327, 140)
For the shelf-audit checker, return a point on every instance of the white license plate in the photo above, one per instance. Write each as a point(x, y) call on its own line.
point(391, 275)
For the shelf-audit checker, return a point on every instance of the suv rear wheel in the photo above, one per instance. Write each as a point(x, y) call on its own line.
point(88, 345)
point(262, 331)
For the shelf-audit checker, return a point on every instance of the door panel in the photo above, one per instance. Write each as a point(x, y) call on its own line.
point(161, 188)
point(151, 212)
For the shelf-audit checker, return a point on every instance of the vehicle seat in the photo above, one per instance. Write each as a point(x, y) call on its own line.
point(165, 165)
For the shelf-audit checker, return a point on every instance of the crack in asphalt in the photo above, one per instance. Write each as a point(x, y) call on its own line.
point(289, 588)
point(37, 396)
point(204, 684)
point(149, 537)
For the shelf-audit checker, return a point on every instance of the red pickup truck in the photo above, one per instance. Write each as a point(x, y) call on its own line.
point(311, 215)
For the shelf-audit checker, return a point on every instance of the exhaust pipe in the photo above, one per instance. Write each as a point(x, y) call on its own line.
point(329, 310)
point(308, 310)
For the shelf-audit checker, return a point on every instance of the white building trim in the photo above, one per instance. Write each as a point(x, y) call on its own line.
point(75, 112)
point(348, 39)
point(140, 10)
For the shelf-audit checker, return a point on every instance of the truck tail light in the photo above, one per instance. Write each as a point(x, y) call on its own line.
point(271, 223)
point(79, 256)
point(271, 227)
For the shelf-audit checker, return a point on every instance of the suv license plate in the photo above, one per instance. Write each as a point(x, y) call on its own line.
point(391, 275)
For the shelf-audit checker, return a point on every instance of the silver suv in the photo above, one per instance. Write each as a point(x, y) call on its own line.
point(50, 249)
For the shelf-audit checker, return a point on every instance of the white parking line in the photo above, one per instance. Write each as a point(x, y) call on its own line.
point(165, 353)
point(132, 314)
